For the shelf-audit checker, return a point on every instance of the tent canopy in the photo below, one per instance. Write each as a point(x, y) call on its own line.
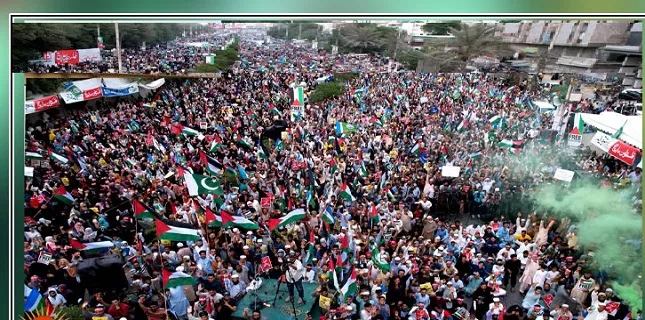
point(611, 122)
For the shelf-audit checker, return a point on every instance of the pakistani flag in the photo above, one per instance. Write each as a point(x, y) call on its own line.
point(346, 193)
point(63, 196)
point(58, 157)
point(210, 59)
point(617, 133)
point(198, 184)
point(176, 279)
point(328, 216)
point(189, 131)
point(379, 260)
point(172, 233)
point(491, 137)
point(497, 122)
point(344, 127)
point(243, 143)
point(350, 287)
point(291, 217)
point(297, 96)
point(216, 144)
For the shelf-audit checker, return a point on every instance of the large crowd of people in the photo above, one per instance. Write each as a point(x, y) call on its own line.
point(357, 183)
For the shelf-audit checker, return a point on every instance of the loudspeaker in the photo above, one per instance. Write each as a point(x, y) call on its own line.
point(103, 273)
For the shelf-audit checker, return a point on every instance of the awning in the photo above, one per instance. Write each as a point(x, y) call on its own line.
point(611, 122)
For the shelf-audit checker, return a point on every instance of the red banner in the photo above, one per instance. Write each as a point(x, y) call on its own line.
point(46, 103)
point(624, 152)
point(92, 93)
point(66, 56)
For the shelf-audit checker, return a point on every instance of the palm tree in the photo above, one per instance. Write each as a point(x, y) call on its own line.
point(364, 38)
point(467, 42)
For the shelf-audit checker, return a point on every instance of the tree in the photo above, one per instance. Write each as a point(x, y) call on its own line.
point(468, 42)
point(306, 30)
point(441, 28)
point(362, 38)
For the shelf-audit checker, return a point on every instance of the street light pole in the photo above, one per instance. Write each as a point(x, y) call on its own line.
point(118, 46)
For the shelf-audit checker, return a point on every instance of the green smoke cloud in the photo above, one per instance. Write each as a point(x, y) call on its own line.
point(607, 225)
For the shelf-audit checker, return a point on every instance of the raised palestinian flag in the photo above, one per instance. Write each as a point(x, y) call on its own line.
point(211, 164)
point(172, 233)
point(350, 287)
point(297, 97)
point(362, 170)
point(33, 156)
point(344, 127)
point(346, 193)
point(216, 144)
point(333, 167)
point(389, 193)
point(328, 216)
point(198, 184)
point(416, 149)
point(63, 196)
point(176, 279)
point(464, 123)
point(476, 155)
point(189, 131)
point(229, 221)
point(379, 260)
point(293, 216)
point(498, 122)
point(274, 110)
point(57, 157)
point(141, 211)
point(311, 250)
point(243, 143)
point(374, 214)
point(507, 143)
point(375, 121)
point(91, 247)
point(579, 127)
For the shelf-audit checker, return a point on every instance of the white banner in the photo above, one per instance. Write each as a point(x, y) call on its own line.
point(89, 55)
point(603, 141)
point(450, 171)
point(563, 175)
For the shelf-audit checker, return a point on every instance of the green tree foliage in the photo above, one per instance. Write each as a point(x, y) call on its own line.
point(469, 42)
point(224, 59)
point(306, 30)
point(345, 76)
point(326, 91)
point(44, 86)
point(30, 40)
point(441, 28)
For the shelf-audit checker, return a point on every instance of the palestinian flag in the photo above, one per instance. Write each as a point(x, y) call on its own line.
point(189, 131)
point(311, 251)
point(141, 211)
point(57, 157)
point(33, 156)
point(374, 214)
point(375, 121)
point(498, 122)
point(389, 193)
point(328, 216)
point(176, 279)
point(228, 221)
point(212, 165)
point(333, 274)
point(511, 144)
point(297, 97)
point(240, 141)
point(344, 127)
point(350, 287)
point(346, 193)
point(216, 144)
point(476, 155)
point(198, 184)
point(63, 196)
point(172, 233)
point(291, 217)
point(579, 127)
point(333, 167)
point(416, 150)
point(464, 123)
point(91, 247)
point(379, 260)
point(273, 110)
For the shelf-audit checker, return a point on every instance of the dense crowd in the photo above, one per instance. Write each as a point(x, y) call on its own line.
point(367, 170)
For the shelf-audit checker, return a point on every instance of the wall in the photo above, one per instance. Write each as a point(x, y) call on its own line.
point(612, 32)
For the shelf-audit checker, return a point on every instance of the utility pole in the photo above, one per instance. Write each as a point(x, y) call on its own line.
point(299, 31)
point(118, 46)
point(396, 47)
point(286, 26)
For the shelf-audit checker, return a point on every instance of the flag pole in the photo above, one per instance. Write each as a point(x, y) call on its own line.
point(163, 285)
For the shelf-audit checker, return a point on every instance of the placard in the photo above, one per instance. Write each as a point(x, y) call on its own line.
point(324, 302)
point(563, 175)
point(29, 171)
point(265, 202)
point(450, 171)
point(574, 140)
point(624, 152)
point(44, 257)
point(602, 140)
point(203, 125)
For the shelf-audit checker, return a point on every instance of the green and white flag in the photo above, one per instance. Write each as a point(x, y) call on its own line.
point(362, 170)
point(63, 196)
point(216, 144)
point(210, 59)
point(476, 155)
point(198, 184)
point(172, 233)
point(238, 221)
point(379, 260)
point(189, 131)
point(58, 157)
point(495, 120)
point(344, 127)
point(33, 156)
point(177, 279)
point(293, 216)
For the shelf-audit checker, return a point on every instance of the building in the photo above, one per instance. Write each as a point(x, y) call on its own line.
point(595, 49)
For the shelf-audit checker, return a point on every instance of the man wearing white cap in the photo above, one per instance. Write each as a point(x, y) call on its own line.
point(598, 314)
point(562, 313)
